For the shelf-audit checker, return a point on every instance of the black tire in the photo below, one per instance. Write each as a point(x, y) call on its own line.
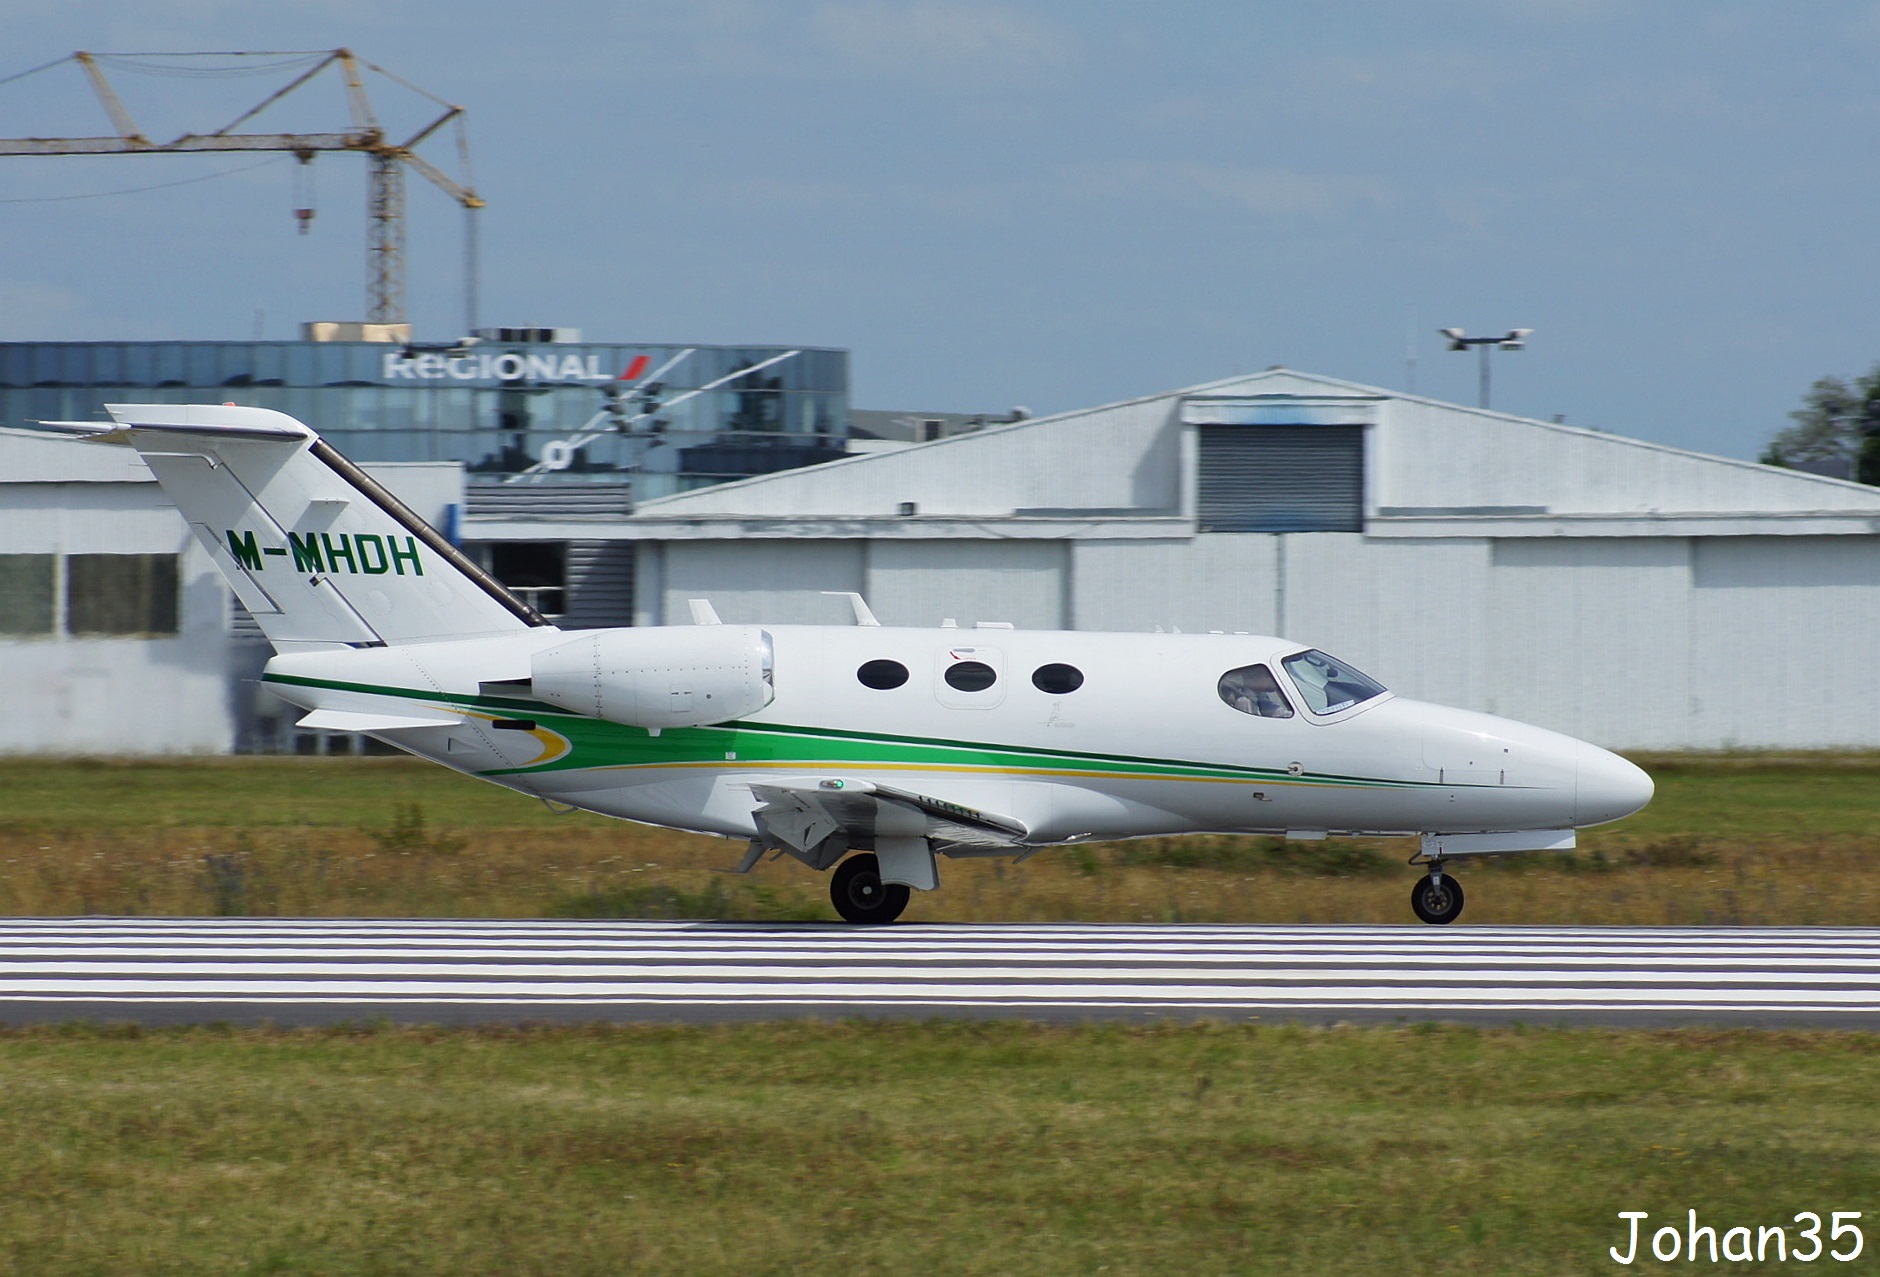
point(861, 897)
point(1436, 905)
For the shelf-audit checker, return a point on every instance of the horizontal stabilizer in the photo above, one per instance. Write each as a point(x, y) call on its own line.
point(265, 434)
point(346, 720)
point(198, 420)
point(84, 431)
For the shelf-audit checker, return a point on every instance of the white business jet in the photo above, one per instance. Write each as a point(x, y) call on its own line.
point(864, 749)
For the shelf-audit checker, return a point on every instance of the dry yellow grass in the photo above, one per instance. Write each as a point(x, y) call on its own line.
point(632, 870)
point(1730, 840)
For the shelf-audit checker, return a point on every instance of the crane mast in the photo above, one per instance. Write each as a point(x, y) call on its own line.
point(388, 158)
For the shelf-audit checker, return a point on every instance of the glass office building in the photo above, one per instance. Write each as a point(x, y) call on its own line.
point(671, 417)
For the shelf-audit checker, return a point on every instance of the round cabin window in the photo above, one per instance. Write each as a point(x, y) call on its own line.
point(971, 676)
point(882, 675)
point(1057, 678)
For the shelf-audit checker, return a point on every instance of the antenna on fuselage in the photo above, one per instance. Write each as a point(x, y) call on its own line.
point(862, 615)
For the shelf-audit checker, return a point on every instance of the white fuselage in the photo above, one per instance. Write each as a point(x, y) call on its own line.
point(1145, 745)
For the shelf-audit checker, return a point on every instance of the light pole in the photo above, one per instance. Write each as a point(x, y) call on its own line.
point(1515, 339)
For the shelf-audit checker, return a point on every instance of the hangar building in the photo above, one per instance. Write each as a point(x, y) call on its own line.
point(1625, 592)
point(1632, 594)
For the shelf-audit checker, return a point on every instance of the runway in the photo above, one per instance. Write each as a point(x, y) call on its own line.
point(311, 971)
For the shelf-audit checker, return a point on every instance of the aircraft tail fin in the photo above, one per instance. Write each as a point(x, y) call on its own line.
point(314, 547)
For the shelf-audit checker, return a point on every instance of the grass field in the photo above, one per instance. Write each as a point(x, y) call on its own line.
point(905, 1148)
point(1729, 839)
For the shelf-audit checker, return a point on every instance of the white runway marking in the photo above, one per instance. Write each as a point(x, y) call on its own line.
point(312, 970)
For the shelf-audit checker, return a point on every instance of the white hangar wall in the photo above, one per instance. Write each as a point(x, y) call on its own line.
point(918, 582)
point(1635, 595)
point(1789, 628)
point(781, 582)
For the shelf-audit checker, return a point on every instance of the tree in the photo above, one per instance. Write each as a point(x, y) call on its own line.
point(1837, 430)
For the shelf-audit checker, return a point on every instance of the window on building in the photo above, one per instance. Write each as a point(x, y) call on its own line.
point(1252, 689)
point(26, 598)
point(120, 594)
point(535, 571)
point(1327, 684)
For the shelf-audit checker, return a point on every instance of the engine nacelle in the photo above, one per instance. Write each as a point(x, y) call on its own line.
point(660, 676)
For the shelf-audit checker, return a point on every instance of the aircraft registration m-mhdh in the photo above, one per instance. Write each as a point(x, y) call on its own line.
point(863, 749)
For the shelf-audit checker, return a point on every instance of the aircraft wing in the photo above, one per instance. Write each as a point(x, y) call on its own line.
point(803, 819)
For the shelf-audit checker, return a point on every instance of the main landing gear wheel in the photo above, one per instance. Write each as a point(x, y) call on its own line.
point(859, 894)
point(1437, 899)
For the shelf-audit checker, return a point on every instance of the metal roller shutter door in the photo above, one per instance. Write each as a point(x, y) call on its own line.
point(1280, 479)
point(600, 584)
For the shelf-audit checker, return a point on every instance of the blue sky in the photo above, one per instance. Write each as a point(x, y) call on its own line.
point(1037, 203)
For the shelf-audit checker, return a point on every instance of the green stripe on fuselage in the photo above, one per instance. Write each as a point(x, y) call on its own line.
point(597, 743)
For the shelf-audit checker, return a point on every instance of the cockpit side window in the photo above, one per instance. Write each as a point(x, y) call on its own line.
point(1329, 685)
point(1252, 689)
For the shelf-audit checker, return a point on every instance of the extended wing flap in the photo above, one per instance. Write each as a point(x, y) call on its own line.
point(806, 821)
point(798, 818)
point(951, 822)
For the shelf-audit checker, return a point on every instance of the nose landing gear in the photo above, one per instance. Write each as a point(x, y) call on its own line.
point(1437, 899)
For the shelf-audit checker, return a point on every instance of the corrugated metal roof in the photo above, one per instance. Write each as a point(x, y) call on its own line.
point(558, 501)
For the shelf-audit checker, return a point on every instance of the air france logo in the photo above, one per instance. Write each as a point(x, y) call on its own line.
point(362, 553)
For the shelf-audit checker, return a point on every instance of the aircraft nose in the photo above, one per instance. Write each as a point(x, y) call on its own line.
point(1609, 787)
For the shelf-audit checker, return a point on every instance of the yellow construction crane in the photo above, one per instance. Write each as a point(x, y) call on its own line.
point(385, 219)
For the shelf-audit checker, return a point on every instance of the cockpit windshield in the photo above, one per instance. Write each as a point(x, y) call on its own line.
point(1329, 685)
